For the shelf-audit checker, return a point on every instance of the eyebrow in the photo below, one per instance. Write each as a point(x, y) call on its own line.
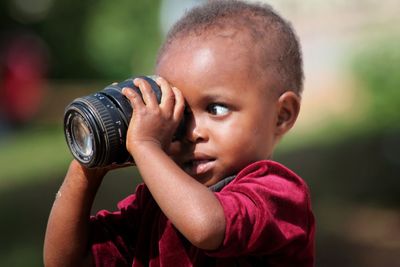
point(215, 97)
point(215, 93)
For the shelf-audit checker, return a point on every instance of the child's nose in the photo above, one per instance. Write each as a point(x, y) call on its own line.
point(194, 131)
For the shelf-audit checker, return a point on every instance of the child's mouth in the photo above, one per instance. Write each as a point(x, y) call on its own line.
point(199, 166)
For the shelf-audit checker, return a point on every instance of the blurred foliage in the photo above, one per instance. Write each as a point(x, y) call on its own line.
point(35, 151)
point(91, 39)
point(121, 37)
point(377, 68)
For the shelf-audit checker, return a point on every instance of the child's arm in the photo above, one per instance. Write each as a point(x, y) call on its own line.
point(191, 206)
point(66, 240)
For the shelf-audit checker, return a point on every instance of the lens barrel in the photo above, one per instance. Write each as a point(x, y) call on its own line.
point(95, 126)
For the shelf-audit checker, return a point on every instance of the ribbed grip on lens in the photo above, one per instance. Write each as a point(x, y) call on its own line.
point(106, 117)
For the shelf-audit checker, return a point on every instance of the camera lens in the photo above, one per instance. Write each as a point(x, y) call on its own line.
point(95, 125)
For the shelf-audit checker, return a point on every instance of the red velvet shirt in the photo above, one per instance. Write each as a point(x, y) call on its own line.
point(269, 222)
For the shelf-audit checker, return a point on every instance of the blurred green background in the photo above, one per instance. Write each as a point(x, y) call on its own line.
point(346, 143)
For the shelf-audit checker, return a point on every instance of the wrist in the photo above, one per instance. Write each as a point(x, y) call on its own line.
point(138, 146)
point(90, 176)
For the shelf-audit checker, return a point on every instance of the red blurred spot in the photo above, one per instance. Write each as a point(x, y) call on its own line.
point(23, 86)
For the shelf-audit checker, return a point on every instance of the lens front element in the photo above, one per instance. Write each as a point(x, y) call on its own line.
point(81, 136)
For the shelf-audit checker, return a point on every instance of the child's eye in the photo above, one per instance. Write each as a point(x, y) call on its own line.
point(218, 109)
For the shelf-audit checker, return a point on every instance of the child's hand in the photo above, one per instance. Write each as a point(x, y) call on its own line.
point(153, 123)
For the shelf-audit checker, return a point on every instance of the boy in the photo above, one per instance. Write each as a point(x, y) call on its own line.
point(213, 197)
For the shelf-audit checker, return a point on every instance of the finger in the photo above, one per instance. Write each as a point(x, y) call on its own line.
point(149, 97)
point(167, 95)
point(179, 104)
point(133, 97)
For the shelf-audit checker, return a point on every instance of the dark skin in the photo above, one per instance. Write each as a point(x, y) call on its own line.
point(232, 118)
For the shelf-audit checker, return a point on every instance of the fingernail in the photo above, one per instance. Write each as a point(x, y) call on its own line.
point(136, 81)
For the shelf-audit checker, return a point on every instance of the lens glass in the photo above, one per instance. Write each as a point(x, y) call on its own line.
point(81, 136)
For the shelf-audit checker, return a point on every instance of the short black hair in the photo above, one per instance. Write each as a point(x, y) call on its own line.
point(280, 48)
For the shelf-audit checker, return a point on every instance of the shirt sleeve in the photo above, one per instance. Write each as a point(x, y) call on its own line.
point(113, 234)
point(267, 209)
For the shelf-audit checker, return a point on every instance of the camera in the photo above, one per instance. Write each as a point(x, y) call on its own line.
point(95, 125)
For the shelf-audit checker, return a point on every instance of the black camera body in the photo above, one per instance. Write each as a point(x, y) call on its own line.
point(95, 125)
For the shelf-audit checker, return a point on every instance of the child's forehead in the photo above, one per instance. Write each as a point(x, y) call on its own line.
point(218, 70)
point(218, 53)
point(229, 44)
point(231, 49)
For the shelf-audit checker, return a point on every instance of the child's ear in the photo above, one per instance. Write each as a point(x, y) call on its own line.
point(288, 110)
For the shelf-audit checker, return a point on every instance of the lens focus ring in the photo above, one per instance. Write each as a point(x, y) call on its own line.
point(109, 133)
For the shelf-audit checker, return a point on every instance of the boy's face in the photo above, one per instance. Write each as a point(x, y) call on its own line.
point(231, 118)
